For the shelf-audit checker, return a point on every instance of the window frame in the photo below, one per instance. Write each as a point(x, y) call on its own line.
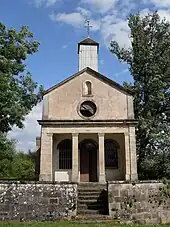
point(116, 154)
point(85, 89)
point(66, 163)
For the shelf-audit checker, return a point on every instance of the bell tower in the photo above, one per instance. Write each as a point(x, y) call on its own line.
point(88, 52)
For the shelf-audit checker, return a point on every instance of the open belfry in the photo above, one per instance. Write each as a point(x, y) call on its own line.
point(88, 126)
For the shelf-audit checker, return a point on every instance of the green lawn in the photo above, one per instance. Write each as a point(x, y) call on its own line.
point(72, 224)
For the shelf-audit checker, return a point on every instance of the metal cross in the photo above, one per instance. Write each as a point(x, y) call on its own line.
point(88, 26)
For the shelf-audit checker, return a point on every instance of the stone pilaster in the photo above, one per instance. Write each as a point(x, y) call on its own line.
point(127, 157)
point(102, 175)
point(75, 166)
point(132, 143)
point(46, 156)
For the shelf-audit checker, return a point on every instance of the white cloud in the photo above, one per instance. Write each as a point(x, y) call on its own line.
point(117, 30)
point(109, 17)
point(164, 14)
point(75, 19)
point(158, 3)
point(46, 3)
point(26, 137)
point(144, 12)
point(84, 12)
point(102, 6)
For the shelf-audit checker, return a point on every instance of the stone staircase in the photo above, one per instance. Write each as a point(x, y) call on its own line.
point(92, 201)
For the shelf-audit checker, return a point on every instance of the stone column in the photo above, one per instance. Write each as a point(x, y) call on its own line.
point(46, 156)
point(75, 166)
point(133, 159)
point(127, 157)
point(102, 176)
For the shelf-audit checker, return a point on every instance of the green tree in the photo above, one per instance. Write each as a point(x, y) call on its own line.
point(23, 166)
point(148, 59)
point(7, 153)
point(17, 89)
point(18, 95)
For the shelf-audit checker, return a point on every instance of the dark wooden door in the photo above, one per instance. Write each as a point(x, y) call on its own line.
point(88, 162)
point(84, 166)
point(93, 165)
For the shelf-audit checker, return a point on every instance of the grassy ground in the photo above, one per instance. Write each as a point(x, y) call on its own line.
point(72, 224)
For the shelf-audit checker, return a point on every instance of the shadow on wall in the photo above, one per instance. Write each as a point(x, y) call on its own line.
point(102, 203)
point(37, 165)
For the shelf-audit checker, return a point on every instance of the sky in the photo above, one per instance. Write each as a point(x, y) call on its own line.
point(59, 25)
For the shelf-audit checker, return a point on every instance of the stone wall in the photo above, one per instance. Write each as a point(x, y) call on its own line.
point(139, 202)
point(38, 201)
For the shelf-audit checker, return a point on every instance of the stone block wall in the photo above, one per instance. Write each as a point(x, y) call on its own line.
point(145, 203)
point(42, 202)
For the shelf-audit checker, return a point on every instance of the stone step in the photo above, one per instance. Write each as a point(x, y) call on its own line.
point(90, 212)
point(89, 197)
point(89, 193)
point(91, 200)
point(97, 217)
point(92, 186)
point(92, 206)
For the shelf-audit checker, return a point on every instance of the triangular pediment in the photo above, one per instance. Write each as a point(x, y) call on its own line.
point(95, 74)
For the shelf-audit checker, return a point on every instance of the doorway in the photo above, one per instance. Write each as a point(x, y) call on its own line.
point(88, 161)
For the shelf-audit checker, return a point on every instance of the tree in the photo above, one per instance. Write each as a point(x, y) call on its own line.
point(7, 152)
point(148, 59)
point(17, 89)
point(23, 166)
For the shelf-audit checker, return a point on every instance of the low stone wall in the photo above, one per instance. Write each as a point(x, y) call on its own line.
point(40, 201)
point(139, 202)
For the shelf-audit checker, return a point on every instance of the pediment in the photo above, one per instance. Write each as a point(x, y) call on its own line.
point(95, 74)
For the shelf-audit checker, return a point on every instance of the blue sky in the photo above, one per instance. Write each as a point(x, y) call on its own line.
point(59, 26)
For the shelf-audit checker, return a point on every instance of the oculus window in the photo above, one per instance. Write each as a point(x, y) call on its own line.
point(88, 109)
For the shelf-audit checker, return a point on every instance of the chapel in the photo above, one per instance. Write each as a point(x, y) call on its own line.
point(88, 126)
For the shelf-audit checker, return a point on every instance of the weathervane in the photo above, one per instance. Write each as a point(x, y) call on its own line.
point(88, 26)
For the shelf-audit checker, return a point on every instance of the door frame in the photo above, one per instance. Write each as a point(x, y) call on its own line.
point(83, 142)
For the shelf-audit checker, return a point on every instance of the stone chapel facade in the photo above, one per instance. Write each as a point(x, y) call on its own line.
point(87, 126)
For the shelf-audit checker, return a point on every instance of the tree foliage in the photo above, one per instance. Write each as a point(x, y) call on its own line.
point(148, 59)
point(13, 164)
point(17, 89)
point(23, 166)
point(18, 95)
point(7, 151)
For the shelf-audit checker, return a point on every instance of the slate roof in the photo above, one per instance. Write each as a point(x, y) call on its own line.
point(96, 75)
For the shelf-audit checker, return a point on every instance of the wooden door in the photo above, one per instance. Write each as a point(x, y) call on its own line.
point(84, 165)
point(93, 165)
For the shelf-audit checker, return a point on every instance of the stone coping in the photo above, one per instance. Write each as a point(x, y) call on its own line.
point(80, 183)
point(137, 182)
point(36, 182)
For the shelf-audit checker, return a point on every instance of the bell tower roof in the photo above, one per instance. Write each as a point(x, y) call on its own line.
point(88, 41)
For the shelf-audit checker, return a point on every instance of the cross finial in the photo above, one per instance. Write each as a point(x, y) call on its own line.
point(88, 26)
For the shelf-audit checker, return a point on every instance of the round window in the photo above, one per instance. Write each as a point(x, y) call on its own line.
point(88, 109)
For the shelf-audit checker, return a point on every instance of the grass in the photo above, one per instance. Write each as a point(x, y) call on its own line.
point(73, 224)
